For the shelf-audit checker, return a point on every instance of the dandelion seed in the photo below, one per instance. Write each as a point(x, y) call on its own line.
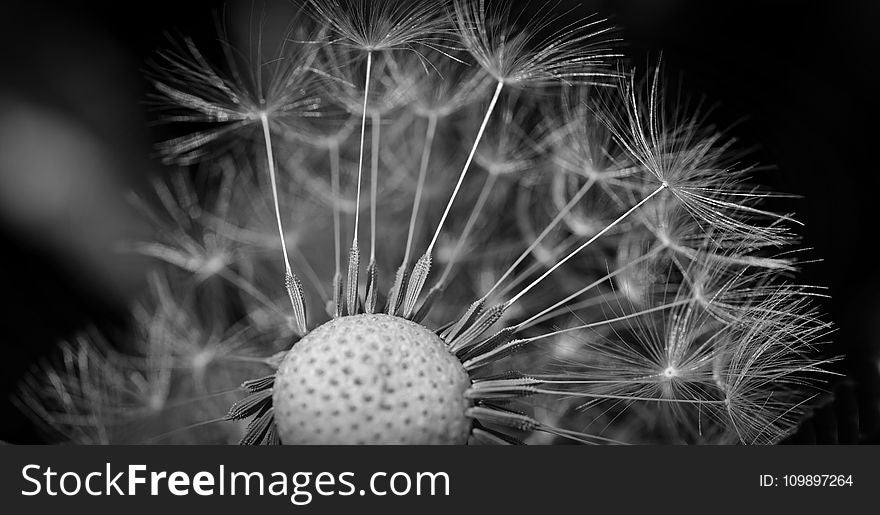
point(688, 159)
point(236, 100)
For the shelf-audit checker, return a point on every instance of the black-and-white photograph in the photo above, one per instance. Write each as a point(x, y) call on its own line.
point(454, 222)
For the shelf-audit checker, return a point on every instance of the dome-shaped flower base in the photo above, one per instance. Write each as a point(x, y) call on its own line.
point(371, 378)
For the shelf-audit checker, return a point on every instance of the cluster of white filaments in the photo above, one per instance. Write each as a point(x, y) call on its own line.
point(529, 244)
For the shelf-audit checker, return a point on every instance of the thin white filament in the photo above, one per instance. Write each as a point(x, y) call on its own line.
point(586, 244)
point(467, 165)
point(271, 162)
point(609, 320)
point(469, 225)
point(594, 284)
point(337, 229)
point(420, 186)
point(357, 208)
point(559, 216)
point(374, 182)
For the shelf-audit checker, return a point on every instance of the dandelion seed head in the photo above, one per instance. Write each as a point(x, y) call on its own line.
point(371, 379)
point(605, 272)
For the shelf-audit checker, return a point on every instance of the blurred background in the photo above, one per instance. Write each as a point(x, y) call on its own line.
point(798, 80)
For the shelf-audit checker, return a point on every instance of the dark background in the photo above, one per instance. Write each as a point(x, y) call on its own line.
point(798, 78)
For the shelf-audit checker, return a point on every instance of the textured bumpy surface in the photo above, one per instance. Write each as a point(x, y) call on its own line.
point(374, 379)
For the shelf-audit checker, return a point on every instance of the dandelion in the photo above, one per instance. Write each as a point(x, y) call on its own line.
point(237, 99)
point(613, 277)
point(691, 164)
